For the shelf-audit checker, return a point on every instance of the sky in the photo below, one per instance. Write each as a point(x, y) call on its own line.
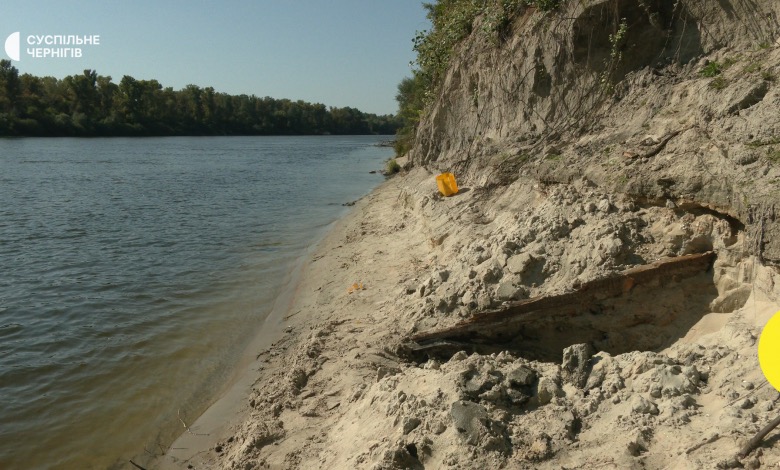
point(336, 52)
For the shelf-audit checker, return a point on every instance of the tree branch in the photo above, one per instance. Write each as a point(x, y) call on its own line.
point(756, 441)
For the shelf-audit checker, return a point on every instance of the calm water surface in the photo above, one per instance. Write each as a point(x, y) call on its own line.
point(133, 272)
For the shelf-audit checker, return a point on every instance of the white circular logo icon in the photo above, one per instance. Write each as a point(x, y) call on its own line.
point(12, 46)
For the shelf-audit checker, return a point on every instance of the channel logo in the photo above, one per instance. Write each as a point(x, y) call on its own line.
point(50, 46)
point(12, 46)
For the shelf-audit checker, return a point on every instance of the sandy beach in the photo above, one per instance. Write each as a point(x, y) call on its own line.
point(326, 387)
point(337, 312)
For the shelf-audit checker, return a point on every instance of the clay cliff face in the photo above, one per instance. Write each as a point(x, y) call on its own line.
point(670, 103)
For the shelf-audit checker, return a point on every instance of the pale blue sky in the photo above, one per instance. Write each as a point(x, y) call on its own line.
point(336, 52)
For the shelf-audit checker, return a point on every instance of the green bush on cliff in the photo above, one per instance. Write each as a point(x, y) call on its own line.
point(451, 22)
point(711, 69)
point(411, 100)
point(544, 5)
point(392, 167)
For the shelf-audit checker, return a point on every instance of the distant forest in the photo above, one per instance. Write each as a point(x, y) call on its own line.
point(92, 105)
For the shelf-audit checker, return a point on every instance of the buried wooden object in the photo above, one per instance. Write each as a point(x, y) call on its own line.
point(758, 438)
point(586, 314)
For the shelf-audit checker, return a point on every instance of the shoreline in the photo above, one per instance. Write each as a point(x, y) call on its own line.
point(331, 392)
point(196, 443)
point(198, 436)
point(338, 337)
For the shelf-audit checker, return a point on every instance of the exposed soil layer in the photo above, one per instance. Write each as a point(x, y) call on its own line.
point(642, 308)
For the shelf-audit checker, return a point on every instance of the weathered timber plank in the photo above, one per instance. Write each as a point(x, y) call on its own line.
point(586, 297)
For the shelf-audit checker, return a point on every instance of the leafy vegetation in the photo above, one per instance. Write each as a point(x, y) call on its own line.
point(411, 100)
point(451, 22)
point(544, 5)
point(616, 42)
point(711, 69)
point(392, 167)
point(752, 67)
point(93, 105)
point(715, 68)
point(718, 83)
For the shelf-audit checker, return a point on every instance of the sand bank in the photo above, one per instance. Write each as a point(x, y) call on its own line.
point(345, 282)
point(329, 391)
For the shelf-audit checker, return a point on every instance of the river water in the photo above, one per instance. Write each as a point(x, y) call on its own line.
point(133, 273)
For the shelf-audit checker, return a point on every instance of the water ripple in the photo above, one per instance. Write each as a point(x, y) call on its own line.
point(134, 271)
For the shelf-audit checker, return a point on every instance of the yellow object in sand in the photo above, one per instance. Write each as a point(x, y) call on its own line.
point(769, 351)
point(355, 287)
point(447, 185)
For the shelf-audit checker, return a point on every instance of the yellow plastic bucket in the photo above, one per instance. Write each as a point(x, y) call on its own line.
point(447, 185)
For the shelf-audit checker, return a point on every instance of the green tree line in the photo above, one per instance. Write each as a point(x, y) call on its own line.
point(93, 105)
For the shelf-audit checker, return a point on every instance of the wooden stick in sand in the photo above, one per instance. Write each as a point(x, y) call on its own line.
point(756, 441)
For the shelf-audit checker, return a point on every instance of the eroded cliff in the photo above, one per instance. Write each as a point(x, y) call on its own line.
point(662, 101)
